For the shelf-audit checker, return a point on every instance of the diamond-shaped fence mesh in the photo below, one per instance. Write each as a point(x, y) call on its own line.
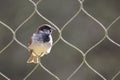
point(83, 49)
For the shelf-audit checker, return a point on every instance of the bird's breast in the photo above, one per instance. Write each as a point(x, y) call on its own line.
point(39, 48)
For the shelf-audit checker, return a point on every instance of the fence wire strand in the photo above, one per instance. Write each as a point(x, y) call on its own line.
point(4, 76)
point(115, 75)
point(84, 54)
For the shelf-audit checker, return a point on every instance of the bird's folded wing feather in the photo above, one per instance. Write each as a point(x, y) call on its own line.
point(30, 42)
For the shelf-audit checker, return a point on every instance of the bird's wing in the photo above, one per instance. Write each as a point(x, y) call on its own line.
point(30, 41)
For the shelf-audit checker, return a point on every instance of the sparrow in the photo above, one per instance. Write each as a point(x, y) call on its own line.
point(40, 43)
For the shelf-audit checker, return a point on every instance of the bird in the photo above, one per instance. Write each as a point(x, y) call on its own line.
point(40, 43)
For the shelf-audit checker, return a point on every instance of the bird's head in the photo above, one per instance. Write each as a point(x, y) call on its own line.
point(46, 29)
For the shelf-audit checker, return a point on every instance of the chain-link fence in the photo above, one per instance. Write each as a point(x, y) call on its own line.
point(86, 43)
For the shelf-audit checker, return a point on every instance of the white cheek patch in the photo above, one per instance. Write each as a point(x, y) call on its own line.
point(41, 31)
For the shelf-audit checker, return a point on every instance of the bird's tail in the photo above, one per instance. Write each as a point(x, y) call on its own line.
point(33, 59)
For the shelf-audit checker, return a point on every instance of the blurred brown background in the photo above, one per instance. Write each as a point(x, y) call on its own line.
point(83, 32)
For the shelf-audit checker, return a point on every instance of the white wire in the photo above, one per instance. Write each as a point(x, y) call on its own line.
point(4, 76)
point(60, 37)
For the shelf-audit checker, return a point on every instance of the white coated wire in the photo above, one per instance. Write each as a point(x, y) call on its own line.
point(84, 54)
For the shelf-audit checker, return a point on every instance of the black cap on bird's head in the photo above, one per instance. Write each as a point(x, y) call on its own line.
point(46, 27)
